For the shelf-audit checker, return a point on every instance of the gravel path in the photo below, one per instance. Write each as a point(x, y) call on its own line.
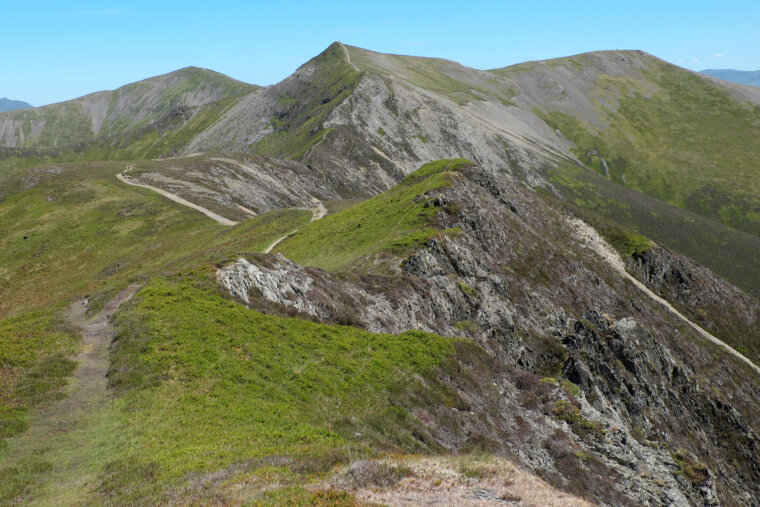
point(130, 181)
point(317, 212)
point(591, 239)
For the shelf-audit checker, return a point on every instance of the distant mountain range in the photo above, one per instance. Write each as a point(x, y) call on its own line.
point(7, 104)
point(544, 116)
point(747, 77)
point(385, 266)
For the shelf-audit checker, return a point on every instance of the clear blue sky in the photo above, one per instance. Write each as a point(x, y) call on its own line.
point(58, 50)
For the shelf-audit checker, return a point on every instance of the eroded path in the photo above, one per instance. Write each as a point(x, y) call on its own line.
point(317, 212)
point(125, 178)
point(591, 239)
point(70, 440)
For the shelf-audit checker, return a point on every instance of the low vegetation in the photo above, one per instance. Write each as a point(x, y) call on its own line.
point(299, 126)
point(207, 384)
point(73, 229)
point(674, 144)
point(35, 359)
point(393, 223)
point(609, 206)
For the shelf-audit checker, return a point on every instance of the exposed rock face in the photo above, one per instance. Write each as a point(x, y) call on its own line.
point(237, 186)
point(704, 297)
point(656, 415)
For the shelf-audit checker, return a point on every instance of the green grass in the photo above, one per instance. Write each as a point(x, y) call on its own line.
point(689, 144)
point(207, 384)
point(67, 124)
point(730, 253)
point(340, 204)
point(617, 212)
point(152, 141)
point(628, 244)
point(34, 362)
point(394, 223)
point(299, 126)
point(64, 124)
point(58, 460)
point(86, 233)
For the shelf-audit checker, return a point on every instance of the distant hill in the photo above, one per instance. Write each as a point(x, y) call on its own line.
point(384, 275)
point(7, 104)
point(600, 128)
point(747, 77)
point(150, 104)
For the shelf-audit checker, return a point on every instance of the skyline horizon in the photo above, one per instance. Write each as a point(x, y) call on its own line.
point(61, 50)
point(140, 79)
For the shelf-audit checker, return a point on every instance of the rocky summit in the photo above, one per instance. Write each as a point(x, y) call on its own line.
point(385, 279)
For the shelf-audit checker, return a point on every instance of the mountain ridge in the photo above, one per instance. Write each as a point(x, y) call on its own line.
point(116, 111)
point(361, 120)
point(7, 104)
point(383, 256)
point(746, 77)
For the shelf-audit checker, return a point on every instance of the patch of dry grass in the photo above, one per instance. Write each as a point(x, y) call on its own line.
point(461, 480)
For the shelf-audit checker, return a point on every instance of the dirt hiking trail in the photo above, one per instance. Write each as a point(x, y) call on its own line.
point(317, 212)
point(124, 178)
point(74, 437)
point(591, 239)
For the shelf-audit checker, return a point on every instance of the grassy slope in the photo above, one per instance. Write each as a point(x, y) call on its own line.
point(86, 232)
point(730, 253)
point(93, 237)
point(689, 144)
point(34, 361)
point(187, 358)
point(68, 123)
point(208, 384)
point(151, 140)
point(394, 222)
point(304, 106)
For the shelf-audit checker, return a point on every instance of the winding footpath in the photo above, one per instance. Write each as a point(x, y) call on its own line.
point(317, 212)
point(591, 239)
point(348, 57)
point(124, 178)
point(75, 435)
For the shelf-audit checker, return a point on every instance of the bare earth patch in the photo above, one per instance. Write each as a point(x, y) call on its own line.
point(70, 439)
point(450, 480)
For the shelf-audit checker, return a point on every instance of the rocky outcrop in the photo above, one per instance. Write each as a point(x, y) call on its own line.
point(703, 296)
point(586, 380)
point(237, 186)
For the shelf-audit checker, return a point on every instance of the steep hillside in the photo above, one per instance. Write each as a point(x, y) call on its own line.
point(656, 128)
point(7, 104)
point(644, 126)
point(236, 186)
point(467, 252)
point(119, 112)
point(77, 232)
point(385, 277)
point(458, 313)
